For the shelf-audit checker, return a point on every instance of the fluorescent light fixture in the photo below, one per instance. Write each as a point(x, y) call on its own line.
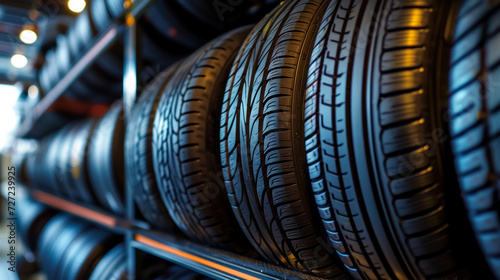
point(18, 61)
point(28, 36)
point(76, 6)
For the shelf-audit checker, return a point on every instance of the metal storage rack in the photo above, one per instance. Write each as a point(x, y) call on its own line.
point(211, 262)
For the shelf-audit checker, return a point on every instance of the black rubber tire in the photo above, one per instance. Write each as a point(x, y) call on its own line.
point(78, 159)
point(262, 146)
point(54, 177)
point(219, 14)
point(115, 7)
point(31, 169)
point(62, 55)
point(111, 62)
point(41, 169)
point(185, 156)
point(72, 231)
point(374, 137)
point(157, 52)
point(52, 71)
point(81, 35)
point(71, 34)
point(101, 83)
point(99, 15)
point(169, 22)
point(32, 217)
point(63, 167)
point(139, 155)
point(53, 227)
point(474, 120)
point(21, 164)
point(105, 160)
point(54, 240)
point(112, 265)
point(43, 81)
point(83, 255)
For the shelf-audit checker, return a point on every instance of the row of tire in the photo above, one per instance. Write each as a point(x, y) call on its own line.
point(171, 30)
point(331, 118)
point(71, 249)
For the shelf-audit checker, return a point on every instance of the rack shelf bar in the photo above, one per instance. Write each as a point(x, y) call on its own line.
point(110, 221)
point(214, 263)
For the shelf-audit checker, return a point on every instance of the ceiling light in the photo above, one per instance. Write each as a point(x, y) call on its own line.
point(76, 6)
point(18, 61)
point(28, 36)
point(33, 91)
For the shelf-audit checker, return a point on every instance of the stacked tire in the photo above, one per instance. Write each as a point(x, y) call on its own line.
point(83, 162)
point(332, 138)
point(474, 115)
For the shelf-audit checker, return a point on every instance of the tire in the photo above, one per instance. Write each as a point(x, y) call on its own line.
point(63, 167)
point(22, 165)
point(171, 23)
point(78, 163)
point(474, 120)
point(105, 162)
point(112, 265)
point(157, 52)
point(61, 243)
point(59, 233)
point(51, 66)
point(31, 169)
point(54, 177)
point(82, 33)
point(84, 253)
point(111, 62)
point(186, 163)
point(139, 156)
point(261, 141)
point(33, 217)
point(374, 140)
point(41, 168)
point(219, 14)
point(62, 55)
point(43, 80)
point(99, 15)
point(115, 7)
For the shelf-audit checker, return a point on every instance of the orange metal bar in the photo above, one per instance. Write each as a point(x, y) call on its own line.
point(166, 248)
point(73, 208)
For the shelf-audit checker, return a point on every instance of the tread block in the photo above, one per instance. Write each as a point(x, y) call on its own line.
point(490, 243)
point(424, 200)
point(408, 18)
point(481, 200)
point(429, 243)
point(465, 71)
point(405, 39)
point(402, 59)
point(400, 108)
point(404, 137)
point(413, 182)
point(488, 221)
point(401, 81)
